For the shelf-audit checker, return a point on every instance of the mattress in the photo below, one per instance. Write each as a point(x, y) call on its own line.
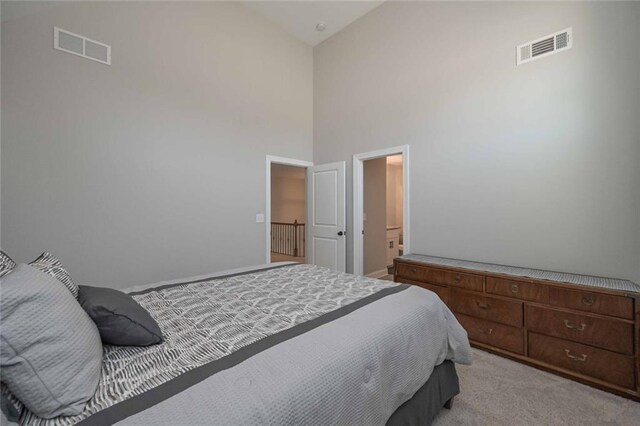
point(278, 344)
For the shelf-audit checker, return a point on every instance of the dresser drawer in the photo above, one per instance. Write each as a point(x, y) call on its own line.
point(599, 363)
point(488, 308)
point(609, 334)
point(440, 276)
point(494, 334)
point(442, 292)
point(518, 289)
point(606, 304)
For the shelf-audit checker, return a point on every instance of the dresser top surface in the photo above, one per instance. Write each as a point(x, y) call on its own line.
point(585, 280)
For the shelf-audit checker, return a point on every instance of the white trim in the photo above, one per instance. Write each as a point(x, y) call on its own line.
point(274, 159)
point(358, 207)
point(378, 274)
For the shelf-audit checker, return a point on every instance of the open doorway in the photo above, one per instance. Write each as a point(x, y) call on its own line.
point(381, 210)
point(382, 215)
point(288, 213)
point(319, 237)
point(287, 176)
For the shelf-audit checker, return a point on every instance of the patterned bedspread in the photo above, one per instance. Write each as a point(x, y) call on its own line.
point(206, 320)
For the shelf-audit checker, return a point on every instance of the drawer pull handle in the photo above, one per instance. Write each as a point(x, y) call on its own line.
point(489, 331)
point(581, 358)
point(514, 288)
point(456, 278)
point(483, 305)
point(587, 300)
point(580, 327)
point(414, 270)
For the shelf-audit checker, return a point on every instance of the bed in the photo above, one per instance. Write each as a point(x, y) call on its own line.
point(281, 344)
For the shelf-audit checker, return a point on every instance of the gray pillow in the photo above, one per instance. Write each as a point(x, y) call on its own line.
point(120, 319)
point(50, 350)
point(6, 263)
point(50, 264)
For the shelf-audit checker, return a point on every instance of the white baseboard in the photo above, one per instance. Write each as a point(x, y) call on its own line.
point(378, 274)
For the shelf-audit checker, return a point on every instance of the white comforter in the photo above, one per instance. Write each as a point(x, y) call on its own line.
point(355, 370)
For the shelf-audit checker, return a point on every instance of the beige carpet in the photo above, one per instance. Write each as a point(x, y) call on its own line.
point(497, 391)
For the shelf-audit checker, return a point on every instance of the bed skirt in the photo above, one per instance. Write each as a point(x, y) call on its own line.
point(425, 405)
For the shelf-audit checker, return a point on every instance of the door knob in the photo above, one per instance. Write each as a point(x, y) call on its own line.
point(340, 233)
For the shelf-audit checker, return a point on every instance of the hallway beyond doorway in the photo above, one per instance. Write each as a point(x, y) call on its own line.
point(288, 213)
point(276, 257)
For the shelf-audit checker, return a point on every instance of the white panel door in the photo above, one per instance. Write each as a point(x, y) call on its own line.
point(326, 239)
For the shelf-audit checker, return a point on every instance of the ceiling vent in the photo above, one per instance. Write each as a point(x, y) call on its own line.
point(81, 46)
point(544, 46)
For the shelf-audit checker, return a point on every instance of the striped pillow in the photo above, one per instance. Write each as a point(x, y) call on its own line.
point(6, 263)
point(50, 264)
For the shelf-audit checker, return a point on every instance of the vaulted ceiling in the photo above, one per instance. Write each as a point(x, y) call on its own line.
point(300, 18)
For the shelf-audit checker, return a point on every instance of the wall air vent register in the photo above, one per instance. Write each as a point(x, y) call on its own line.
point(544, 46)
point(78, 45)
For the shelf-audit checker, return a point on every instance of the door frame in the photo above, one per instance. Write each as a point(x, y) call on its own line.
point(274, 159)
point(358, 201)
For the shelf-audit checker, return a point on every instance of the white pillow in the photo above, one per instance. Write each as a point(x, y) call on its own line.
point(50, 350)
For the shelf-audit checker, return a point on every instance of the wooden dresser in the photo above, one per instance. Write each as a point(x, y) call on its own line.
point(581, 327)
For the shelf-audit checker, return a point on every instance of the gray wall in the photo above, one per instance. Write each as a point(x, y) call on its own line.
point(536, 165)
point(152, 168)
point(394, 195)
point(0, 130)
point(374, 200)
point(288, 202)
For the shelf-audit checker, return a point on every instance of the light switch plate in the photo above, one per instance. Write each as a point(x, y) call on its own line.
point(259, 218)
